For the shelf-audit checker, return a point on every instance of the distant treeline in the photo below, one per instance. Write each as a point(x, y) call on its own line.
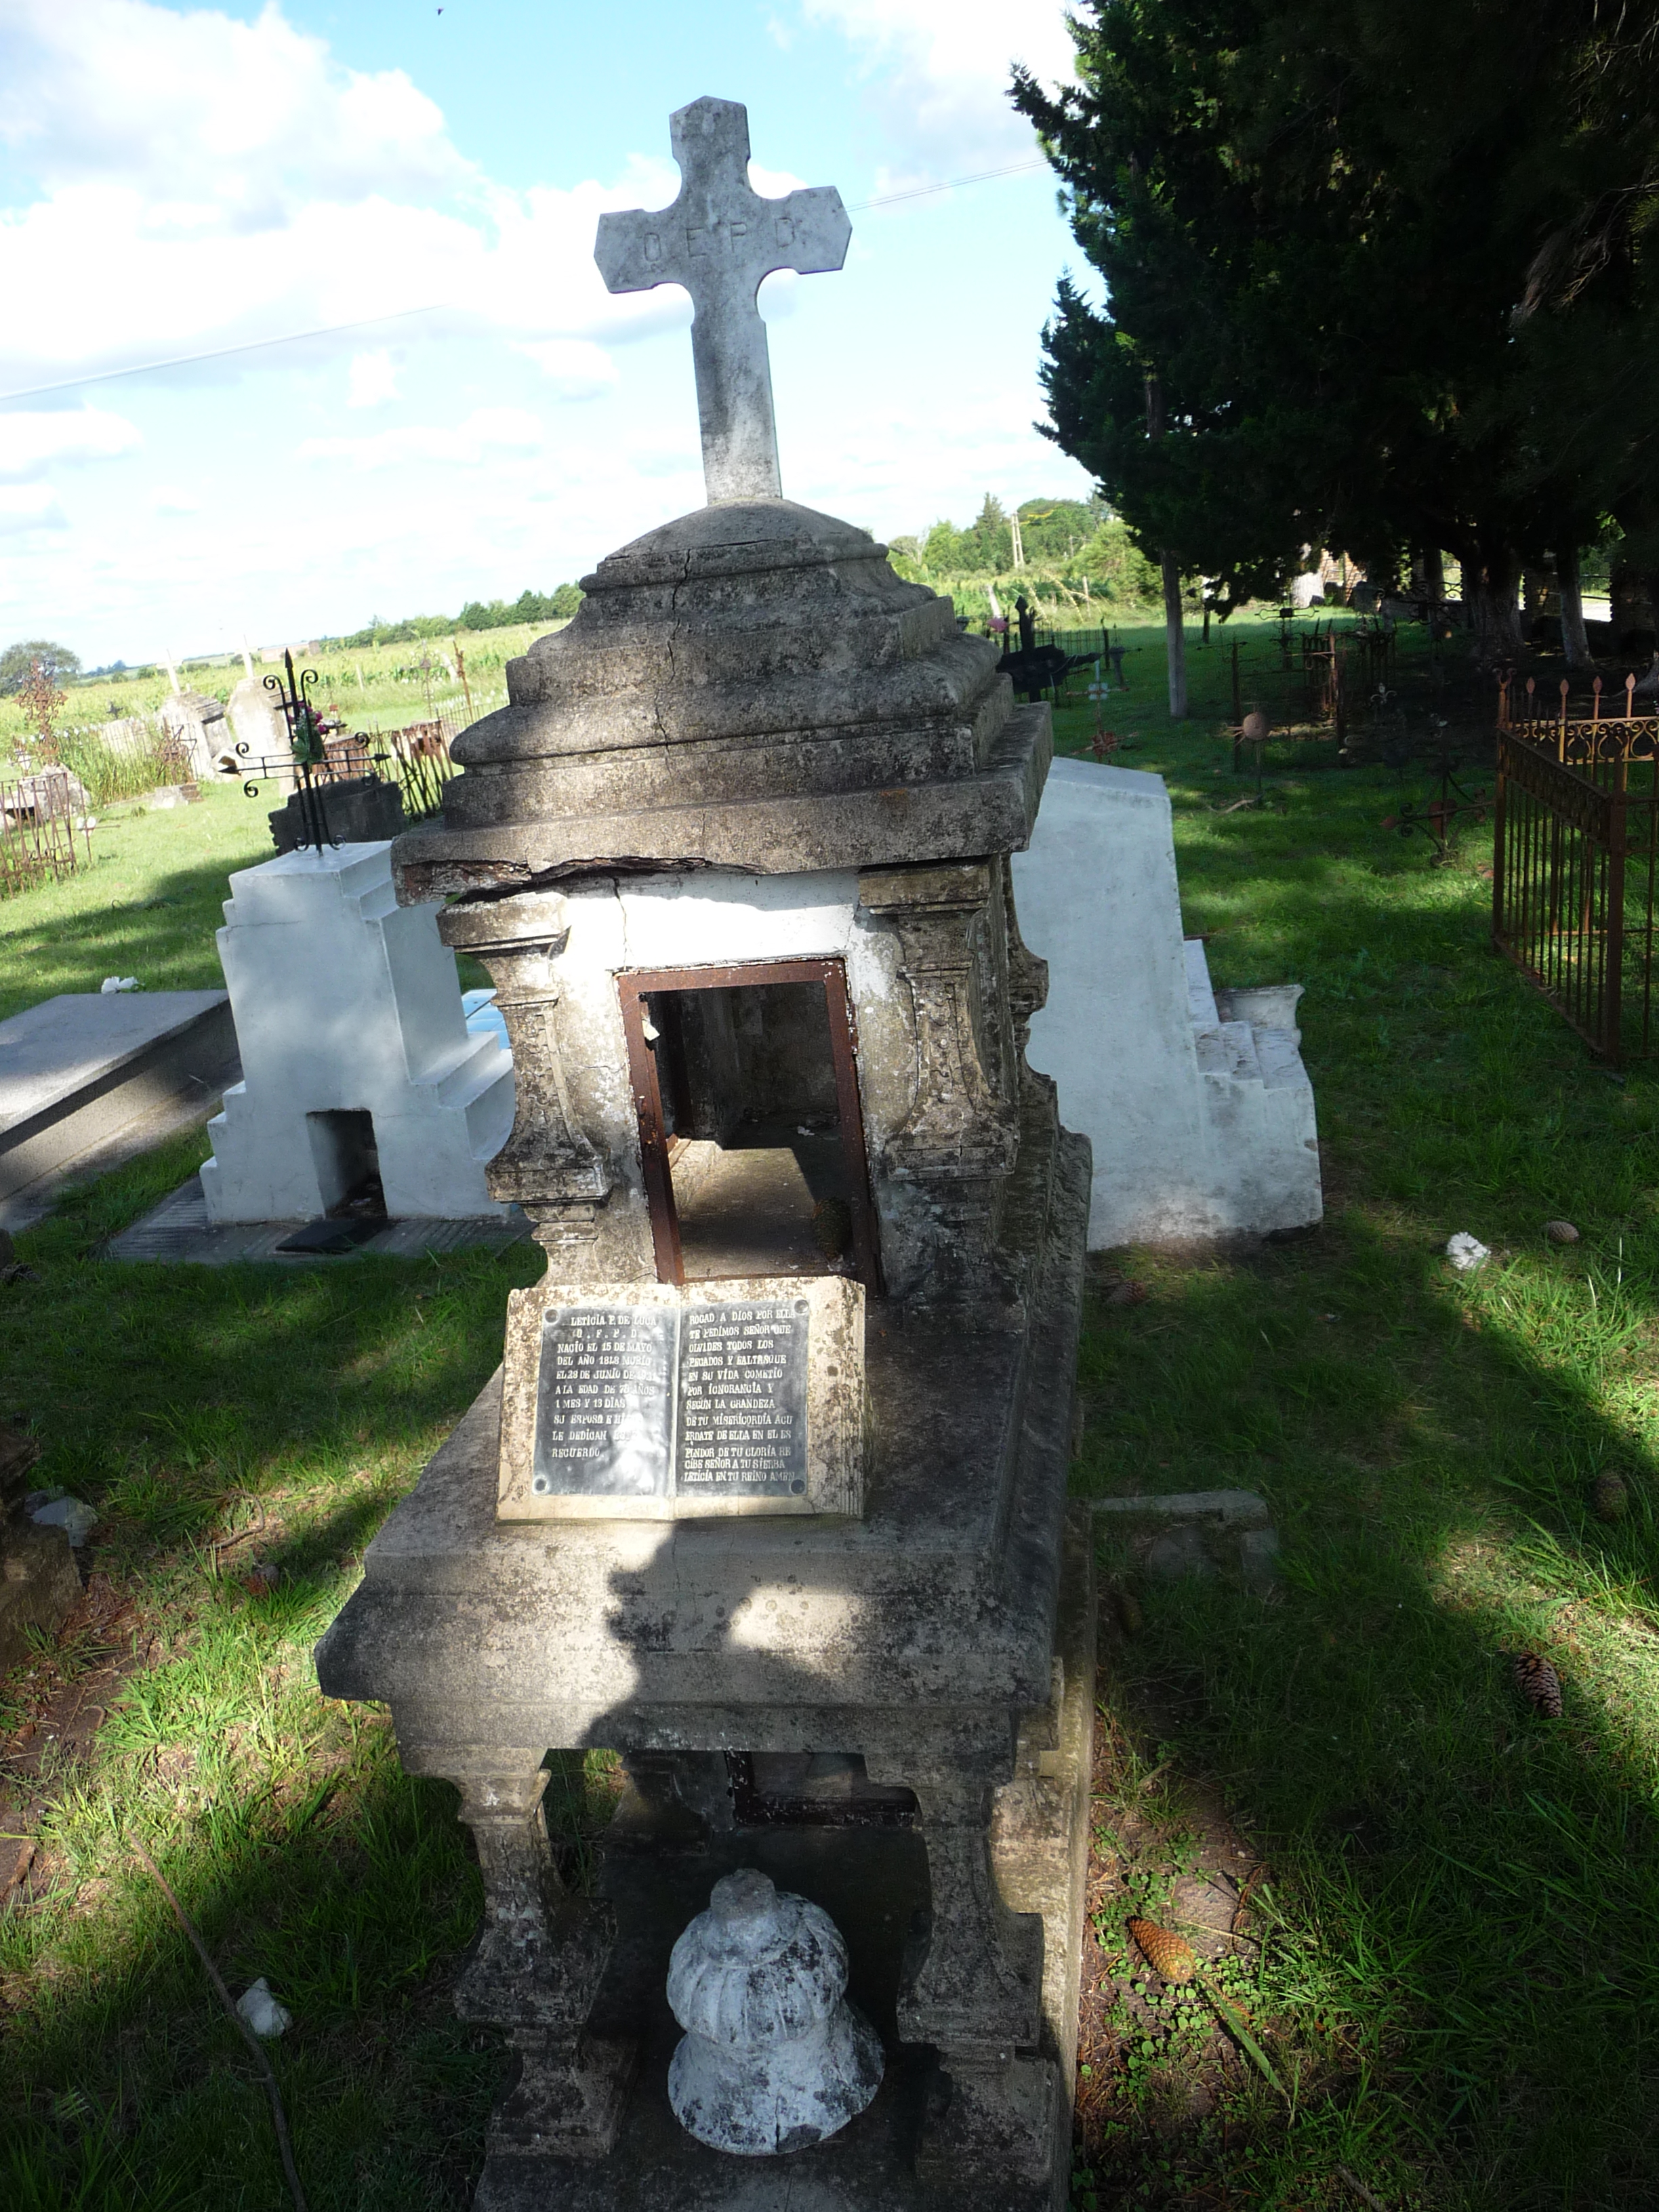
point(478, 614)
point(1066, 542)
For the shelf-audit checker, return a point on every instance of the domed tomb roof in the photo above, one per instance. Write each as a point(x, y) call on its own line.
point(728, 680)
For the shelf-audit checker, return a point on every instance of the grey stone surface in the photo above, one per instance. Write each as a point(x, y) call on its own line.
point(1195, 1532)
point(178, 1232)
point(77, 1069)
point(257, 721)
point(719, 239)
point(355, 810)
point(723, 673)
point(643, 1363)
point(917, 1637)
point(774, 2059)
point(195, 722)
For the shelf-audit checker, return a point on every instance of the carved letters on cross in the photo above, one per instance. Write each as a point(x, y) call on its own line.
point(961, 1118)
point(719, 239)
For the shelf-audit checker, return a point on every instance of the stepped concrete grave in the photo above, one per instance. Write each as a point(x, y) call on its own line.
point(362, 1087)
point(1201, 1120)
point(736, 856)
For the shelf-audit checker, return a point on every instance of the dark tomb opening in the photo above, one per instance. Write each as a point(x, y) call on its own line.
point(348, 1163)
point(751, 1131)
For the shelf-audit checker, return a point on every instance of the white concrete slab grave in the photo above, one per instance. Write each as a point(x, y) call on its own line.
point(80, 1070)
point(357, 1061)
point(1201, 1125)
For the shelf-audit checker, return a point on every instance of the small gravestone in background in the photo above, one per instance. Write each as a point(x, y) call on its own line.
point(195, 726)
point(257, 721)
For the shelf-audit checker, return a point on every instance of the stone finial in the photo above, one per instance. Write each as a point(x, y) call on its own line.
point(774, 2059)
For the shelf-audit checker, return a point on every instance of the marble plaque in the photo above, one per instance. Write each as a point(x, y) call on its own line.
point(661, 1403)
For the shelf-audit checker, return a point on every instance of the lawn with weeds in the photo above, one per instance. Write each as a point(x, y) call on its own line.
point(1454, 1946)
point(1446, 1947)
point(224, 1419)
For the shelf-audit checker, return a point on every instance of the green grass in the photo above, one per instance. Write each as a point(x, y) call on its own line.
point(1464, 1943)
point(1462, 1953)
point(191, 1404)
point(146, 906)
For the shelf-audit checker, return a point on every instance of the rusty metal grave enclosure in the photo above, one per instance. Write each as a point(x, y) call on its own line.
point(1576, 838)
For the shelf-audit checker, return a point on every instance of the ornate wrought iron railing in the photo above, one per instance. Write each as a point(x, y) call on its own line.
point(1575, 858)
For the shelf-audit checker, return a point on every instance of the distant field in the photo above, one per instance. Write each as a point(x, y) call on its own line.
point(375, 687)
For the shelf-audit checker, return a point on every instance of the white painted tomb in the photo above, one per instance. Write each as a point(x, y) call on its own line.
point(355, 1050)
point(1202, 1124)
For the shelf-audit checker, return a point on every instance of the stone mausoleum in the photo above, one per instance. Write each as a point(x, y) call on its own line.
point(770, 1498)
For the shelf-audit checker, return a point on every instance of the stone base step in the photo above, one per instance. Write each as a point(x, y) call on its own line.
point(178, 1232)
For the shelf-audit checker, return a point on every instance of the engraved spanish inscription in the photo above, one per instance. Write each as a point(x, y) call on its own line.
point(653, 1402)
point(604, 1396)
point(743, 1400)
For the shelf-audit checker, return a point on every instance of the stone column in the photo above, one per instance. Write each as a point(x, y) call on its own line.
point(536, 1969)
point(548, 1165)
point(961, 1136)
point(972, 1986)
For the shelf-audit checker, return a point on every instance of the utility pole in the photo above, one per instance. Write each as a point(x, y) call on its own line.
point(1019, 549)
point(1175, 636)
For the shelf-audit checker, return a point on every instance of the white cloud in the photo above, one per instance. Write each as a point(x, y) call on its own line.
point(939, 72)
point(215, 184)
point(486, 430)
point(576, 369)
point(374, 379)
point(29, 444)
point(30, 506)
point(169, 499)
point(201, 113)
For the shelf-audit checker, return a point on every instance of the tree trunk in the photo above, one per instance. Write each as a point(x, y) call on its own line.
point(1434, 578)
point(1176, 638)
point(1575, 643)
point(1489, 592)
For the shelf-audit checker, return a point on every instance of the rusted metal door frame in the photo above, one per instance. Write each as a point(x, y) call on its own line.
point(635, 985)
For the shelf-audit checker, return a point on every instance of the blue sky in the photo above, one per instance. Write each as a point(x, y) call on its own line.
point(175, 180)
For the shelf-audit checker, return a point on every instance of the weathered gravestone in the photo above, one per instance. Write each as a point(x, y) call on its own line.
point(195, 724)
point(772, 1499)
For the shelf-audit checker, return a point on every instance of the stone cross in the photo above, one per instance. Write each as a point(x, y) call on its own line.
point(720, 239)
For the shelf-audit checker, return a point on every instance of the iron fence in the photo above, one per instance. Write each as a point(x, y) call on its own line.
point(1576, 844)
point(41, 817)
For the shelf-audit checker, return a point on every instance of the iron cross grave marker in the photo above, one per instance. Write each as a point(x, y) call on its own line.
point(719, 239)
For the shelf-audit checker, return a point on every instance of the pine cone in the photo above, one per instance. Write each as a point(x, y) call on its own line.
point(1609, 1497)
point(1169, 1954)
point(1539, 1684)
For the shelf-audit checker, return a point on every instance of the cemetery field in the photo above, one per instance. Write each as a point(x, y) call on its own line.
point(1459, 1960)
point(1460, 1945)
point(382, 687)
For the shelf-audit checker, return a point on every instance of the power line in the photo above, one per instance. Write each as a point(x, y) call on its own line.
point(403, 315)
point(920, 192)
